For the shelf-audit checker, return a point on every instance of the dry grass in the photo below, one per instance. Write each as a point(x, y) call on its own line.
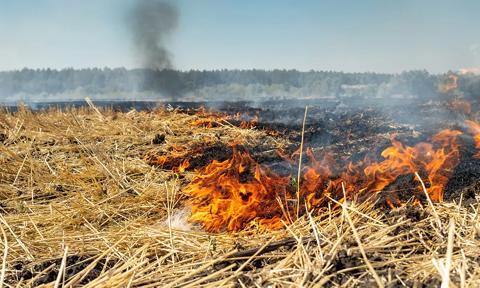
point(80, 207)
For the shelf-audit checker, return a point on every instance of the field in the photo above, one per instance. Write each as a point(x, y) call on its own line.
point(82, 203)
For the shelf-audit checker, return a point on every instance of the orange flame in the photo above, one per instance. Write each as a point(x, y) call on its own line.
point(235, 193)
point(208, 119)
point(474, 128)
point(176, 160)
point(240, 193)
point(450, 84)
point(436, 160)
point(185, 164)
point(366, 178)
point(214, 119)
point(249, 124)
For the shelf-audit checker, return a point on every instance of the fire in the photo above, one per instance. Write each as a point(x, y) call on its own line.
point(214, 119)
point(436, 160)
point(474, 128)
point(367, 178)
point(240, 193)
point(183, 166)
point(450, 84)
point(450, 87)
point(176, 160)
point(208, 122)
point(237, 192)
point(249, 124)
point(208, 119)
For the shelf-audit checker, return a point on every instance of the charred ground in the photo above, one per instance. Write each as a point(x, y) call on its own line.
point(81, 178)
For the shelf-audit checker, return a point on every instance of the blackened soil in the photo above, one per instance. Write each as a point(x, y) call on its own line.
point(413, 212)
point(158, 139)
point(353, 131)
point(219, 152)
point(466, 176)
point(344, 260)
point(198, 156)
point(402, 190)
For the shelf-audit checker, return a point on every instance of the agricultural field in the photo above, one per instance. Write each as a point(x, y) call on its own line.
point(170, 197)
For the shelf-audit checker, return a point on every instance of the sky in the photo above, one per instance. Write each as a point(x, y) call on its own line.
point(341, 35)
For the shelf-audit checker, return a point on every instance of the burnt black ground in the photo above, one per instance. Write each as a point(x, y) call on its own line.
point(350, 128)
point(355, 130)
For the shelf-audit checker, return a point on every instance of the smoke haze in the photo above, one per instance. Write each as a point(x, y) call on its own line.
point(151, 23)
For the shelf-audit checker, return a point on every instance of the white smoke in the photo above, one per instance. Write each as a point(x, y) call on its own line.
point(179, 220)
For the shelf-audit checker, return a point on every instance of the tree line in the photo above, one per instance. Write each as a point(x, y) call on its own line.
point(49, 84)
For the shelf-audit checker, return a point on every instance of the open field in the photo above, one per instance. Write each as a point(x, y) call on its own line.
point(80, 205)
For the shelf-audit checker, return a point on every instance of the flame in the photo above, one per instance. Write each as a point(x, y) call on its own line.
point(237, 193)
point(177, 160)
point(474, 128)
point(249, 124)
point(367, 178)
point(450, 84)
point(240, 193)
point(436, 160)
point(204, 122)
point(207, 119)
point(214, 119)
point(183, 166)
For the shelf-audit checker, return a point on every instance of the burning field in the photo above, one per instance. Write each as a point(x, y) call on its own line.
point(241, 196)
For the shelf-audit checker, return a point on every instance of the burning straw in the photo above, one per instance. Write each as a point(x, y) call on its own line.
point(81, 207)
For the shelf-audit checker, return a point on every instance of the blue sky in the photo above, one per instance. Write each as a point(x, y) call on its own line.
point(347, 35)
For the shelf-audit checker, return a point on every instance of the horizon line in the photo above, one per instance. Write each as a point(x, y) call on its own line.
point(456, 71)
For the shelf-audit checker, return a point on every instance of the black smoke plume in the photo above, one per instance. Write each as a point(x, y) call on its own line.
point(151, 23)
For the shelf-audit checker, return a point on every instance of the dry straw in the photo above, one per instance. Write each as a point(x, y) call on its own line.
point(76, 178)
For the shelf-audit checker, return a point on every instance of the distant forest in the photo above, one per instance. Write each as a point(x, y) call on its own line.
point(143, 84)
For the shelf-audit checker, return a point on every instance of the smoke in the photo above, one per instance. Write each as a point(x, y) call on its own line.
point(179, 220)
point(151, 23)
